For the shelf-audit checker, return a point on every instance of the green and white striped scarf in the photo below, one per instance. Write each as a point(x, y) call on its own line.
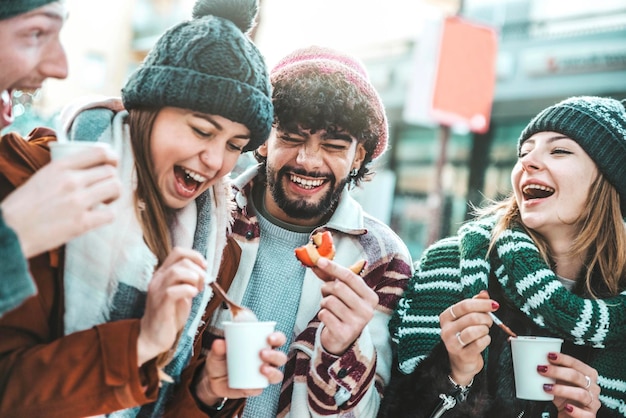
point(458, 267)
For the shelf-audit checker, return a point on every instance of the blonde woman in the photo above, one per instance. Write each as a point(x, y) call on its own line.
point(550, 260)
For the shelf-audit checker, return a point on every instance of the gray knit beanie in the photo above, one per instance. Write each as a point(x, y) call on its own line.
point(10, 8)
point(209, 65)
point(598, 125)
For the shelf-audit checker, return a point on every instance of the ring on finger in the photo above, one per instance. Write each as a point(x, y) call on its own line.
point(590, 399)
point(458, 337)
point(588, 380)
point(452, 313)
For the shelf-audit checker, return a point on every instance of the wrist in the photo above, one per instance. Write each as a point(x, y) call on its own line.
point(460, 391)
point(461, 379)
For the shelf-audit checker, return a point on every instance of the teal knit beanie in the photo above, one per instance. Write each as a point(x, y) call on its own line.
point(12, 8)
point(598, 125)
point(208, 64)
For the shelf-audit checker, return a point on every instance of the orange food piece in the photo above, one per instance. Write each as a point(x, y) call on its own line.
point(358, 267)
point(320, 245)
point(303, 255)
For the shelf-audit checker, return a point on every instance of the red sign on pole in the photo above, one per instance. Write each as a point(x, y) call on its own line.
point(459, 90)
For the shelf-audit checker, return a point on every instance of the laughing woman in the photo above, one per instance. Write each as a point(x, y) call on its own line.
point(550, 259)
point(119, 327)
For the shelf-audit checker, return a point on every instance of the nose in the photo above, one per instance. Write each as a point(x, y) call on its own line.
point(212, 157)
point(309, 155)
point(531, 161)
point(54, 63)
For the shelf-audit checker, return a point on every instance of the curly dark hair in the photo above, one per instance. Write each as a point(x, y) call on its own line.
point(325, 101)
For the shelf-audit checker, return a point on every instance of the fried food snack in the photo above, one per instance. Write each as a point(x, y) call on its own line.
point(321, 245)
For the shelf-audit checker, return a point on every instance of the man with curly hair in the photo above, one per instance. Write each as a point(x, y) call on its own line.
point(329, 126)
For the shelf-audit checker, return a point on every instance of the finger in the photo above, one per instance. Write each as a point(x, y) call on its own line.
point(474, 333)
point(468, 306)
point(179, 253)
point(274, 358)
point(345, 303)
point(352, 280)
point(181, 292)
point(276, 339)
point(272, 373)
point(94, 218)
point(94, 175)
point(103, 191)
point(87, 158)
point(576, 365)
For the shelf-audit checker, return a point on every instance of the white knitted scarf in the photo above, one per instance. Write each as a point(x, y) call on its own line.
point(103, 262)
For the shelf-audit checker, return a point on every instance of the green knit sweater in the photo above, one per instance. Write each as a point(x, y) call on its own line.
point(458, 267)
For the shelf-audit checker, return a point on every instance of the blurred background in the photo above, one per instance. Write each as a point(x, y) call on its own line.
point(545, 51)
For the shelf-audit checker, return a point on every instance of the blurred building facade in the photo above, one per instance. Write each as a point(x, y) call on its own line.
point(546, 53)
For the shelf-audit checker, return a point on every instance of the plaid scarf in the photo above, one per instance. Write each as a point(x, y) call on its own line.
point(458, 267)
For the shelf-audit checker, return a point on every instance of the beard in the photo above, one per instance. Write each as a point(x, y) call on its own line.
point(300, 208)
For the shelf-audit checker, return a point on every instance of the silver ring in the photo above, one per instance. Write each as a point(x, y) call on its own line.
point(588, 379)
point(452, 312)
point(590, 400)
point(458, 337)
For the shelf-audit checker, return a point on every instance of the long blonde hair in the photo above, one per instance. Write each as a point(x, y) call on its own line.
point(601, 241)
point(151, 209)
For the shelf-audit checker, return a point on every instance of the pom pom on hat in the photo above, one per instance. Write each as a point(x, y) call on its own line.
point(598, 125)
point(12, 8)
point(329, 61)
point(208, 64)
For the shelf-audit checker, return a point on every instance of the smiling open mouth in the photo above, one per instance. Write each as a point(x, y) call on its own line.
point(537, 191)
point(306, 184)
point(190, 180)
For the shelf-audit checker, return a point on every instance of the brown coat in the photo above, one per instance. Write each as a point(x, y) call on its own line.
point(46, 374)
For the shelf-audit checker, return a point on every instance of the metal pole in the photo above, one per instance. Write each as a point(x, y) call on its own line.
point(436, 196)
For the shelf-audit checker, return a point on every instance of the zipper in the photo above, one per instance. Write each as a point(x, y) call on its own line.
point(447, 403)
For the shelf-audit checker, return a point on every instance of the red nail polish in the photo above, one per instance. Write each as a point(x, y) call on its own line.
point(552, 356)
point(542, 368)
point(495, 305)
point(569, 408)
point(548, 387)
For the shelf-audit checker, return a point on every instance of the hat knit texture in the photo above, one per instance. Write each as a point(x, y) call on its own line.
point(326, 63)
point(10, 8)
point(209, 65)
point(598, 125)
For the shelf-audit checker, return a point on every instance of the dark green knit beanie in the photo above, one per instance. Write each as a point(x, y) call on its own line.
point(598, 125)
point(209, 65)
point(10, 8)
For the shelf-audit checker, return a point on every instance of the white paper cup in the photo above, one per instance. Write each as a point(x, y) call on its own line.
point(63, 149)
point(528, 353)
point(244, 342)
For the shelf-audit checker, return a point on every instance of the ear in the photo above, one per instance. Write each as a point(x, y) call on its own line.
point(262, 150)
point(359, 156)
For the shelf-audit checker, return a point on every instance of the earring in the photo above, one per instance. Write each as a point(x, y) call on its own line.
point(354, 172)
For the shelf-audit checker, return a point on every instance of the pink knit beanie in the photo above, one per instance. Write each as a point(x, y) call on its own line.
point(329, 61)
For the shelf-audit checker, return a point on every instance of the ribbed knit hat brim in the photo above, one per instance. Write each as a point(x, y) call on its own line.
point(326, 60)
point(598, 125)
point(208, 65)
point(160, 86)
point(10, 8)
